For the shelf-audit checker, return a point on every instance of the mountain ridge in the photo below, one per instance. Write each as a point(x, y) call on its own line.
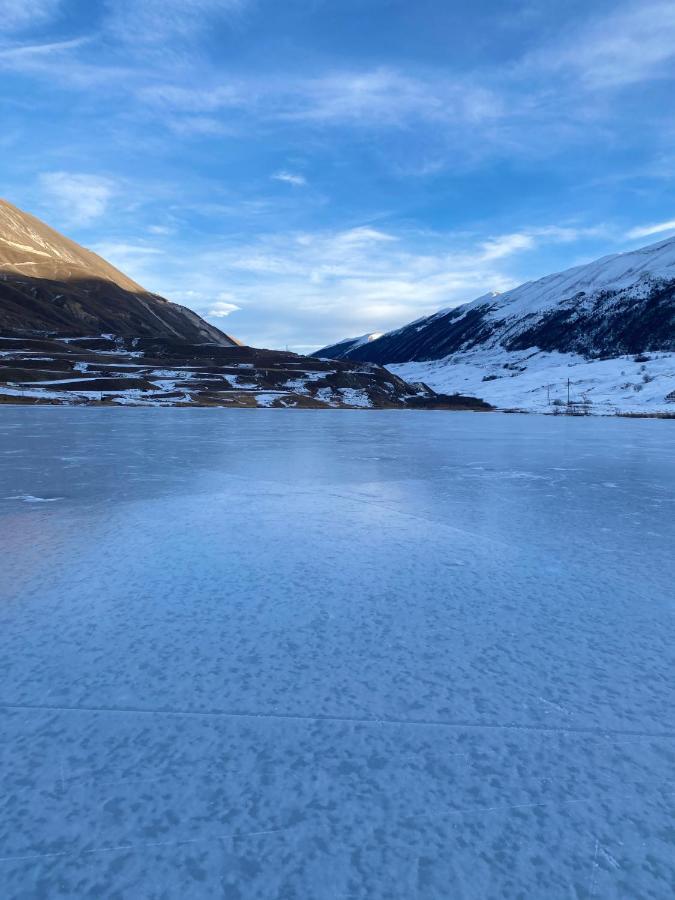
point(48, 282)
point(598, 337)
point(618, 304)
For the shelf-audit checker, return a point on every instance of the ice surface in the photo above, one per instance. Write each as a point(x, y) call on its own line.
point(313, 654)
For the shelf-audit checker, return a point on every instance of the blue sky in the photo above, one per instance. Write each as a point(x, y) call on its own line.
point(306, 170)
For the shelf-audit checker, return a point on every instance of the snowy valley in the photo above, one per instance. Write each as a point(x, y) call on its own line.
point(536, 381)
point(605, 332)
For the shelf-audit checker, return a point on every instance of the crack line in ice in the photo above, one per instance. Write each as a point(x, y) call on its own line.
point(594, 869)
point(145, 845)
point(490, 809)
point(358, 720)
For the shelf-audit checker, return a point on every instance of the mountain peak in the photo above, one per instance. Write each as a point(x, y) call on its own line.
point(49, 283)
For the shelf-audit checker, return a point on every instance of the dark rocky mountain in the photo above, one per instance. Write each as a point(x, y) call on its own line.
point(618, 305)
point(50, 283)
point(343, 348)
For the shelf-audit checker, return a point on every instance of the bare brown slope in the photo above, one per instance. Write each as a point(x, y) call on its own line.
point(163, 372)
point(50, 283)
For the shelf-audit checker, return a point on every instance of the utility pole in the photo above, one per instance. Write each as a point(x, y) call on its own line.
point(568, 392)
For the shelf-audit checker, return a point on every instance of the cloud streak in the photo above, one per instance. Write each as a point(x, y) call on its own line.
point(385, 96)
point(369, 98)
point(290, 178)
point(644, 231)
point(27, 52)
point(80, 198)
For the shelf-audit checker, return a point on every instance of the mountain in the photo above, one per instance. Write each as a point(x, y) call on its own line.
point(75, 330)
point(344, 348)
point(617, 305)
point(49, 283)
point(616, 308)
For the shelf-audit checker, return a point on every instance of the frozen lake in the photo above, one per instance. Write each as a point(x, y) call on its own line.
point(286, 654)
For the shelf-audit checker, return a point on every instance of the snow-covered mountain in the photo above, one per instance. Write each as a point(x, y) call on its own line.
point(592, 319)
point(344, 348)
point(48, 283)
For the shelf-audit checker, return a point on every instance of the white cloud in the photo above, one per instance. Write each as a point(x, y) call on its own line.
point(635, 42)
point(644, 231)
point(224, 306)
point(290, 178)
point(111, 249)
point(16, 15)
point(369, 98)
point(63, 66)
point(317, 256)
point(364, 234)
point(221, 310)
point(497, 248)
point(319, 286)
point(27, 52)
point(508, 244)
point(81, 198)
point(387, 97)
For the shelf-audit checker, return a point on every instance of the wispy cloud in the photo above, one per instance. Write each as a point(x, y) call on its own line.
point(498, 248)
point(290, 178)
point(387, 96)
point(62, 64)
point(80, 198)
point(370, 98)
point(26, 52)
point(324, 285)
point(644, 231)
point(507, 244)
point(163, 230)
point(634, 42)
point(154, 21)
point(462, 118)
point(16, 15)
